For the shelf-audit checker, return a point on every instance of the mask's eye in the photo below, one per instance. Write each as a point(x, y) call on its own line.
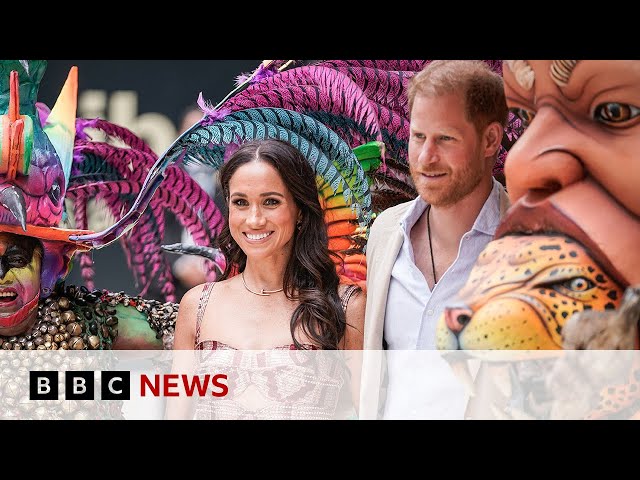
point(575, 287)
point(525, 116)
point(578, 284)
point(614, 112)
point(17, 261)
point(54, 193)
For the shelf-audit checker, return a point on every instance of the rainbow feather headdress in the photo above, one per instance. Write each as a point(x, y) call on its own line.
point(349, 118)
point(35, 164)
point(49, 162)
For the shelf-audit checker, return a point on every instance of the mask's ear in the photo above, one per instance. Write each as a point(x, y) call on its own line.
point(61, 123)
point(492, 139)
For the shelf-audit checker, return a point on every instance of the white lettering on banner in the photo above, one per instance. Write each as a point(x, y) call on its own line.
point(324, 384)
point(79, 386)
point(92, 103)
point(154, 128)
point(43, 386)
point(110, 384)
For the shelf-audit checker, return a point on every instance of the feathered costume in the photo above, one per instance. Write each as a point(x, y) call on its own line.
point(47, 158)
point(349, 118)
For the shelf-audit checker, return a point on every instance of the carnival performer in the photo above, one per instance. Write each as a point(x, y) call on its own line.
point(47, 159)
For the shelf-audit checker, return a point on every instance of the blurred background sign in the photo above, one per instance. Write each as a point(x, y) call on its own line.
point(149, 97)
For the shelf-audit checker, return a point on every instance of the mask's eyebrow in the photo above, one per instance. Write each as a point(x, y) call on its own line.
point(16, 249)
point(19, 248)
point(561, 70)
point(525, 76)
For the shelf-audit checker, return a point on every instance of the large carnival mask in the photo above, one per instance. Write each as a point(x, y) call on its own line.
point(35, 164)
point(569, 242)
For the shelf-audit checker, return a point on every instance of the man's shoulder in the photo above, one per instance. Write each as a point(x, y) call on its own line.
point(391, 215)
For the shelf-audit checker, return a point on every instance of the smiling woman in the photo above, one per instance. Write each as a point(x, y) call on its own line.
point(280, 291)
point(277, 240)
point(262, 220)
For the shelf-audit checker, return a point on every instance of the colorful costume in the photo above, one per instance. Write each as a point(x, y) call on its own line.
point(349, 119)
point(569, 243)
point(47, 158)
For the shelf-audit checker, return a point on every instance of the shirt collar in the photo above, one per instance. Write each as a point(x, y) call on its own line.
point(489, 217)
point(486, 222)
point(412, 215)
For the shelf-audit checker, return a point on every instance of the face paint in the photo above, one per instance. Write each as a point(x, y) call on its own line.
point(522, 291)
point(20, 263)
point(551, 258)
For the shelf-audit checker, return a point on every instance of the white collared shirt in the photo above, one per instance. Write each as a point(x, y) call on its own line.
point(413, 309)
point(419, 385)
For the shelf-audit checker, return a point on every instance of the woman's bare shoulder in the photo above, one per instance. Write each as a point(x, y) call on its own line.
point(356, 305)
point(186, 322)
point(192, 296)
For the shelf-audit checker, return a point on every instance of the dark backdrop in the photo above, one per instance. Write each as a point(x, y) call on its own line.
point(164, 89)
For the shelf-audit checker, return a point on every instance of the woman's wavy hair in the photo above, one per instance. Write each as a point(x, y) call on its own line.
point(310, 276)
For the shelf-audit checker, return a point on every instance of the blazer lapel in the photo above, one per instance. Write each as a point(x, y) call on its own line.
point(378, 290)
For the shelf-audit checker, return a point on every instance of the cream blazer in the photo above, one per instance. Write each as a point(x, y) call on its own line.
point(385, 241)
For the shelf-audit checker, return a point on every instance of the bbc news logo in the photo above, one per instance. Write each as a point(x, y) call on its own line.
point(169, 385)
point(80, 385)
point(116, 385)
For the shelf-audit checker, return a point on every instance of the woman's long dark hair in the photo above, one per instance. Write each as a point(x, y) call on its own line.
point(310, 275)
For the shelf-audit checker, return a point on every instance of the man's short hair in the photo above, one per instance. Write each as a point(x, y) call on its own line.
point(482, 89)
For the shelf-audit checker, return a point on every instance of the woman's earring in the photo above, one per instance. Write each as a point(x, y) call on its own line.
point(299, 224)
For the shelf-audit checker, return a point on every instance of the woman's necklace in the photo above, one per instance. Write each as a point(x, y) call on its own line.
point(262, 292)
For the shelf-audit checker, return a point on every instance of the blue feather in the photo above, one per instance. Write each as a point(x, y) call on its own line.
point(206, 144)
point(335, 147)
